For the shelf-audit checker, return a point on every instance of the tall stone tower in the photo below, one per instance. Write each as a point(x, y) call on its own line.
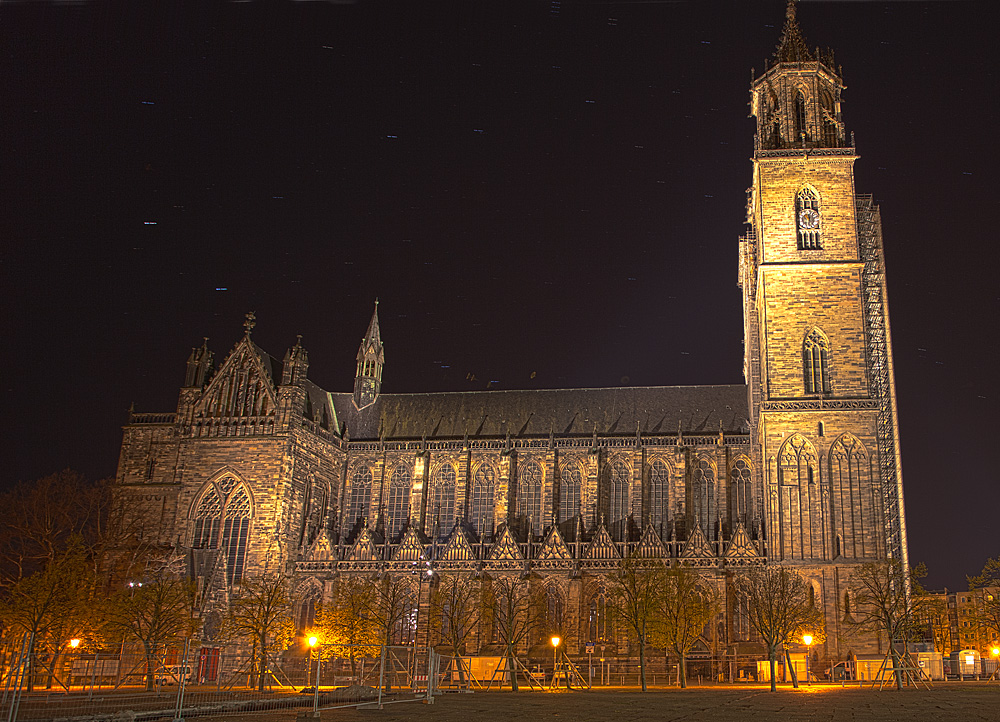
point(818, 357)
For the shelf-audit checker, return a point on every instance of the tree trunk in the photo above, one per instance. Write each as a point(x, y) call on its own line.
point(791, 668)
point(682, 670)
point(512, 668)
point(150, 665)
point(770, 656)
point(895, 667)
point(263, 665)
point(642, 664)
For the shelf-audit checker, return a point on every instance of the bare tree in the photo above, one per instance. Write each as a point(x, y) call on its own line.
point(347, 626)
point(260, 613)
point(515, 609)
point(885, 605)
point(686, 607)
point(779, 608)
point(456, 610)
point(156, 611)
point(987, 612)
point(391, 601)
point(637, 595)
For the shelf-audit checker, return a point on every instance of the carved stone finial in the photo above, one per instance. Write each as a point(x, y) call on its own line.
point(251, 321)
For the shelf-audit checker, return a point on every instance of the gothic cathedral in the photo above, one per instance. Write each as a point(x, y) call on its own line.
point(261, 470)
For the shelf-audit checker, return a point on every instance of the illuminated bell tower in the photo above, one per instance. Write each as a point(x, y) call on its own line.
point(818, 355)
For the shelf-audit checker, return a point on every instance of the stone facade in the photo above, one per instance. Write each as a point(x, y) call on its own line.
point(260, 470)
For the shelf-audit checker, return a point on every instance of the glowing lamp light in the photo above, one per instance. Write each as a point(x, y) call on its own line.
point(313, 641)
point(995, 651)
point(808, 639)
point(74, 643)
point(555, 641)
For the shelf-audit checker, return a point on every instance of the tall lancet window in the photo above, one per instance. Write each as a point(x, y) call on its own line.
point(659, 497)
point(222, 521)
point(360, 498)
point(398, 510)
point(807, 220)
point(619, 477)
point(816, 362)
point(799, 118)
point(481, 510)
point(570, 481)
point(444, 498)
point(529, 496)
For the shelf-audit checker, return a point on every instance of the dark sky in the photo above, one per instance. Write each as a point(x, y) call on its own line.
point(540, 194)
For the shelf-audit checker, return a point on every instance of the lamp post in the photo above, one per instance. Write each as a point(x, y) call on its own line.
point(555, 652)
point(313, 641)
point(808, 639)
point(995, 653)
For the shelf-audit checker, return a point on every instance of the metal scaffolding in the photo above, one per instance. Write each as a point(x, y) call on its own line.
point(879, 345)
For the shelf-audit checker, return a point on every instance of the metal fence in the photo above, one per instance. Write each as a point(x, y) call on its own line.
point(175, 681)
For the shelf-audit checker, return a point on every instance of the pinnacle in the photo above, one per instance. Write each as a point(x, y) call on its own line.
point(792, 47)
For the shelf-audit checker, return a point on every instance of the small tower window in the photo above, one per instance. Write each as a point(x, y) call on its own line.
point(829, 120)
point(816, 362)
point(799, 111)
point(807, 220)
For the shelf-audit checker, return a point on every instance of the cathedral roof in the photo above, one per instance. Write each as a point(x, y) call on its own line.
point(561, 412)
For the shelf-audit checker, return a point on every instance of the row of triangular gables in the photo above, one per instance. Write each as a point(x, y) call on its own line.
point(458, 552)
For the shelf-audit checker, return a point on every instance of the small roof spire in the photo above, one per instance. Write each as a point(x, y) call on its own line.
point(251, 321)
point(792, 47)
point(373, 335)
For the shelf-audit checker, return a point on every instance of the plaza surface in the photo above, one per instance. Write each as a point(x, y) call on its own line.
point(945, 701)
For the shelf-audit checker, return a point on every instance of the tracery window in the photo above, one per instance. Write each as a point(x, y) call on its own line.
point(659, 496)
point(404, 629)
point(830, 139)
point(553, 609)
point(444, 497)
point(799, 117)
point(807, 220)
point(529, 496)
point(229, 512)
point(816, 362)
point(598, 618)
point(703, 495)
point(360, 498)
point(482, 507)
point(742, 491)
point(398, 507)
point(570, 482)
point(619, 481)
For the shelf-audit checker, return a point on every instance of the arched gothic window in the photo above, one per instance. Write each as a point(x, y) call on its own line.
point(816, 362)
point(553, 609)
point(799, 118)
point(306, 617)
point(703, 495)
point(570, 483)
point(598, 618)
point(315, 512)
point(529, 496)
point(659, 497)
point(360, 498)
point(224, 506)
point(404, 629)
point(830, 139)
point(398, 508)
point(807, 220)
point(444, 497)
point(742, 491)
point(482, 507)
point(619, 480)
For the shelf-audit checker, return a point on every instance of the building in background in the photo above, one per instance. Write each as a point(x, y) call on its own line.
point(260, 470)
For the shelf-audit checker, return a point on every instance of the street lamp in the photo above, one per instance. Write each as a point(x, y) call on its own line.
point(313, 641)
point(808, 639)
point(74, 643)
point(555, 664)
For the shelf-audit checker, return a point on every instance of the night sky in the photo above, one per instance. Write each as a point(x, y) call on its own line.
point(540, 194)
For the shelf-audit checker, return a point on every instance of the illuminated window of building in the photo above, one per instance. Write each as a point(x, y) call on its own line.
point(482, 507)
point(444, 497)
point(703, 495)
point(619, 480)
point(529, 496)
point(359, 499)
point(398, 507)
point(598, 618)
point(659, 496)
point(570, 482)
point(222, 521)
point(816, 362)
point(742, 491)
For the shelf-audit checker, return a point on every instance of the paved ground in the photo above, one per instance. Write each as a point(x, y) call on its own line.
point(945, 702)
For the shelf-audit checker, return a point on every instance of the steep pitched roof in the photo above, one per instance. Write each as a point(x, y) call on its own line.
point(563, 412)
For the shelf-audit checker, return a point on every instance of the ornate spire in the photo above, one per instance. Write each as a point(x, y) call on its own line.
point(792, 47)
point(368, 378)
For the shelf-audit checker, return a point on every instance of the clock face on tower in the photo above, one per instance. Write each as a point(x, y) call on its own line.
point(808, 219)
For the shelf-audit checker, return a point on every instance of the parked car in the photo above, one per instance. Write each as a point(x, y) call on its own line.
point(172, 674)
